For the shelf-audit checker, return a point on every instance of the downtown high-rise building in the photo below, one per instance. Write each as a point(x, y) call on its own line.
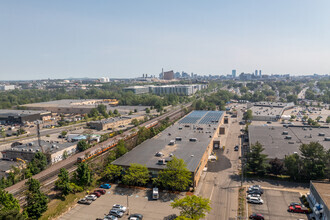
point(260, 73)
point(233, 73)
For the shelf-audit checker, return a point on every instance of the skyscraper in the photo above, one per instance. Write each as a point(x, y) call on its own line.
point(256, 73)
point(233, 73)
point(260, 73)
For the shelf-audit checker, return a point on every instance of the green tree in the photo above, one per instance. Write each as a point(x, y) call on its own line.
point(135, 122)
point(192, 207)
point(82, 145)
point(256, 161)
point(136, 174)
point(38, 163)
point(292, 163)
point(36, 200)
point(248, 115)
point(115, 112)
point(175, 176)
point(276, 166)
point(64, 133)
point(11, 215)
point(112, 172)
point(63, 182)
point(313, 157)
point(328, 119)
point(121, 149)
point(83, 175)
point(8, 202)
point(93, 113)
point(147, 110)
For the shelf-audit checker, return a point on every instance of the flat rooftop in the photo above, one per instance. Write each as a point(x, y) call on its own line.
point(83, 103)
point(323, 188)
point(265, 111)
point(194, 125)
point(18, 113)
point(50, 146)
point(6, 165)
point(274, 104)
point(273, 138)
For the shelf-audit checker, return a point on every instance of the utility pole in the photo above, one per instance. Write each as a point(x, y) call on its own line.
point(127, 206)
point(39, 140)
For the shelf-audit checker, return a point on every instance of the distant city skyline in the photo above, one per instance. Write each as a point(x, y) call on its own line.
point(125, 39)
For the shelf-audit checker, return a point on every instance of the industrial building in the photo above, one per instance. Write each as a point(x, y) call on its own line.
point(137, 89)
point(167, 89)
point(7, 87)
point(281, 141)
point(9, 116)
point(191, 139)
point(80, 106)
point(110, 123)
point(319, 197)
point(268, 111)
point(27, 151)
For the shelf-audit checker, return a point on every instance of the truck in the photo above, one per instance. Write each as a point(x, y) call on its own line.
point(155, 193)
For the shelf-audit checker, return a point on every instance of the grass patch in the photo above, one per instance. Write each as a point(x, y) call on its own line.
point(241, 202)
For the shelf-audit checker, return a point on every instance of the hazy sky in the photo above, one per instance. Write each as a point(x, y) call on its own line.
point(60, 39)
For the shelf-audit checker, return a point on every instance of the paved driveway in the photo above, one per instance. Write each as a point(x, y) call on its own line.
point(276, 204)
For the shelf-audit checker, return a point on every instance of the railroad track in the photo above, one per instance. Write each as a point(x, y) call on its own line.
point(48, 177)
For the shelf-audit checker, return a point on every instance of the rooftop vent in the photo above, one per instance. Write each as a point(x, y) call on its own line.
point(288, 137)
point(193, 139)
point(285, 133)
point(321, 134)
point(327, 139)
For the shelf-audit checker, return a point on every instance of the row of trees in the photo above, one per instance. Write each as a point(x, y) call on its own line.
point(36, 203)
point(312, 163)
point(175, 176)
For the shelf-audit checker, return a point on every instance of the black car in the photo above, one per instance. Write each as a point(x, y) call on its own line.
point(259, 192)
point(236, 148)
point(138, 216)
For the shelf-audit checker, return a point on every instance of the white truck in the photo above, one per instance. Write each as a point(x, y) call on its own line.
point(155, 194)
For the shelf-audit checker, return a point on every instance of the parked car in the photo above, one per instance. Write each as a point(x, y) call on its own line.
point(96, 193)
point(105, 186)
point(119, 207)
point(110, 217)
point(236, 148)
point(135, 217)
point(256, 216)
point(259, 192)
point(255, 187)
point(102, 191)
point(91, 197)
point(253, 195)
point(298, 209)
point(296, 203)
point(255, 200)
point(85, 201)
point(116, 212)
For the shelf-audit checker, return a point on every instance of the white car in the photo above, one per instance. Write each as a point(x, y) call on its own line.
point(253, 195)
point(120, 207)
point(91, 197)
point(255, 200)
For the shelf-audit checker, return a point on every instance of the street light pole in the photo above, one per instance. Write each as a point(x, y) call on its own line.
point(127, 206)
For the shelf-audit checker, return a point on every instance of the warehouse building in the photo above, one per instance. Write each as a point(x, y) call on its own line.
point(191, 139)
point(109, 123)
point(9, 116)
point(319, 196)
point(268, 111)
point(55, 149)
point(281, 141)
point(167, 89)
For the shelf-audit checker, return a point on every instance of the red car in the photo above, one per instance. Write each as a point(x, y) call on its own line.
point(102, 191)
point(97, 194)
point(256, 216)
point(298, 209)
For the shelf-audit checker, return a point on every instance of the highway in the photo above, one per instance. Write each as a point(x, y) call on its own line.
point(50, 174)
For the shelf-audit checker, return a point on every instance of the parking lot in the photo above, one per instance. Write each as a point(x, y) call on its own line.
point(276, 205)
point(139, 202)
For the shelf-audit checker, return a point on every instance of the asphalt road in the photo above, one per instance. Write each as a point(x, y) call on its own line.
point(221, 182)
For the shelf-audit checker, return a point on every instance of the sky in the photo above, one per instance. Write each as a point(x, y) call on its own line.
point(121, 39)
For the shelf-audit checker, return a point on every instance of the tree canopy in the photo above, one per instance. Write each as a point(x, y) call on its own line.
point(175, 176)
point(256, 161)
point(36, 200)
point(192, 207)
point(136, 174)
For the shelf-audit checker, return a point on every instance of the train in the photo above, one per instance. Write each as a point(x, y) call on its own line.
point(107, 145)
